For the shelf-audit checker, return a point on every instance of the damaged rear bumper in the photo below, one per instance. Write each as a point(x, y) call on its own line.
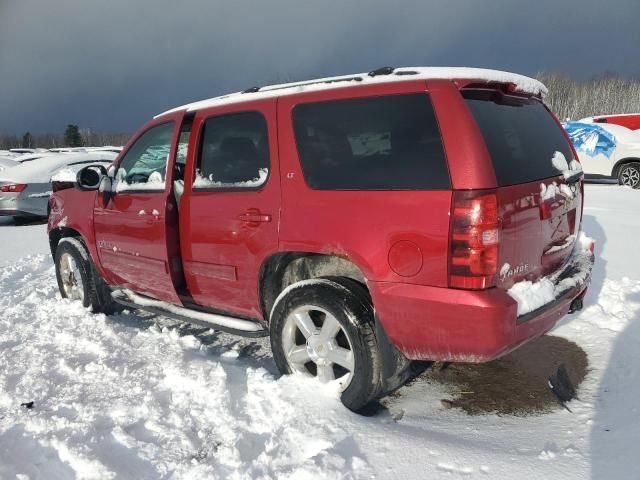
point(444, 324)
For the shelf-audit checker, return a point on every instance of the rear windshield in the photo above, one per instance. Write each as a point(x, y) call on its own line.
point(520, 134)
point(374, 143)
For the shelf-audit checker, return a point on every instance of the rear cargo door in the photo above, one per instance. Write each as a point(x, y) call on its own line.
point(539, 196)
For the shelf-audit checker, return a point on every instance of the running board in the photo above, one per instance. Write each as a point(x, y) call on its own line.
point(236, 326)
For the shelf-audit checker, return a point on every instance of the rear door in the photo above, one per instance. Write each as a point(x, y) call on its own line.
point(540, 209)
point(132, 230)
point(230, 209)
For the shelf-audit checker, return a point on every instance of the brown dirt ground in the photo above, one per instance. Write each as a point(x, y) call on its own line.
point(516, 384)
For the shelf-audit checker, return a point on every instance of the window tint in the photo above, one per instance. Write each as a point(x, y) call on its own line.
point(520, 134)
point(144, 166)
point(234, 152)
point(374, 143)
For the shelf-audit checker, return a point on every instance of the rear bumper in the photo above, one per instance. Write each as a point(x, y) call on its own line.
point(31, 202)
point(443, 324)
point(9, 212)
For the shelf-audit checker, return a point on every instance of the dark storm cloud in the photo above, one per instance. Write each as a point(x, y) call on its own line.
point(110, 65)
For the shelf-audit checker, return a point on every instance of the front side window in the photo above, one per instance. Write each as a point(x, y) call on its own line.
point(144, 166)
point(234, 152)
point(375, 143)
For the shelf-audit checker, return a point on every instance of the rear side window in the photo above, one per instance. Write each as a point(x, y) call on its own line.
point(374, 143)
point(234, 152)
point(520, 134)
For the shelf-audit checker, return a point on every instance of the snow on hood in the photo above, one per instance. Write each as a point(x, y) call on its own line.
point(522, 84)
point(42, 169)
point(64, 175)
point(26, 157)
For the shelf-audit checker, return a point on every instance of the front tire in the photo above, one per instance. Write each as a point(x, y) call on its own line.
point(78, 279)
point(629, 175)
point(325, 328)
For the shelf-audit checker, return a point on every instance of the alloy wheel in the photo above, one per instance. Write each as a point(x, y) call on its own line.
point(630, 176)
point(315, 343)
point(71, 277)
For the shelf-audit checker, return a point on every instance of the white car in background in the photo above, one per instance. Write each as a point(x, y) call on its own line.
point(7, 162)
point(607, 150)
point(25, 189)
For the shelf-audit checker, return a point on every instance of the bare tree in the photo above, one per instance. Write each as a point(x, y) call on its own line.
point(606, 94)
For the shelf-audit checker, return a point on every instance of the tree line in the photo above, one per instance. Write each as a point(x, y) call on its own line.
point(568, 98)
point(574, 99)
point(73, 136)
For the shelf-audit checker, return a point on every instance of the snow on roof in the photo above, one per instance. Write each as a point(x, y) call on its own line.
point(41, 170)
point(522, 84)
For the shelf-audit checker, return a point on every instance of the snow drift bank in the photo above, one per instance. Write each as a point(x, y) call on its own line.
point(141, 397)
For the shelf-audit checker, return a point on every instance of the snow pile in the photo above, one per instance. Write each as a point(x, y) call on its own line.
point(533, 295)
point(569, 170)
point(136, 397)
point(568, 242)
point(128, 397)
point(155, 182)
point(208, 182)
point(549, 192)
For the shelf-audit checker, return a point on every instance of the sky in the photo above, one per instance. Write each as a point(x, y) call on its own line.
point(111, 65)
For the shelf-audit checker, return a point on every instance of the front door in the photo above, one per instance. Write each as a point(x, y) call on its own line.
point(131, 230)
point(229, 212)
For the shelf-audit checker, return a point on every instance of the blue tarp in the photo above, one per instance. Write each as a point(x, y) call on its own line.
point(591, 138)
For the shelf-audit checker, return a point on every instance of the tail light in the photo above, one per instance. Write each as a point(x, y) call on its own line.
point(13, 188)
point(474, 240)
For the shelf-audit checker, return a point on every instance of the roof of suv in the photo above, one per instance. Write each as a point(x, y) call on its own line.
point(384, 75)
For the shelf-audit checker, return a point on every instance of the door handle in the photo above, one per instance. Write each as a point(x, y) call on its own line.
point(253, 217)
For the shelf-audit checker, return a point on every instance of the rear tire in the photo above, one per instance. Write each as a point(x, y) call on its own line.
point(629, 175)
point(325, 328)
point(78, 278)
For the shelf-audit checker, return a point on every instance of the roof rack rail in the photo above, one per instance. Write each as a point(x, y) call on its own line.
point(405, 72)
point(252, 90)
point(381, 71)
point(318, 82)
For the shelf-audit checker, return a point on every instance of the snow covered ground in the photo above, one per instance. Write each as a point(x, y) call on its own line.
point(135, 396)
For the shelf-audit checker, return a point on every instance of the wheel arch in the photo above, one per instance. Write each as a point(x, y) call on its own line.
point(282, 269)
point(620, 163)
point(57, 234)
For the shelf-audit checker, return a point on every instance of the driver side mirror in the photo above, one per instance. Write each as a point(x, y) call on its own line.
point(90, 177)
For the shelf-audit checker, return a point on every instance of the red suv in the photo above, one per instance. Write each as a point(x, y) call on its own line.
point(361, 222)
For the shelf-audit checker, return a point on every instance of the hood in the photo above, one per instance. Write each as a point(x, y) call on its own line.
point(41, 170)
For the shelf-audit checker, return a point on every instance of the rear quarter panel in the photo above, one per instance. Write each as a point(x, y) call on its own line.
point(360, 226)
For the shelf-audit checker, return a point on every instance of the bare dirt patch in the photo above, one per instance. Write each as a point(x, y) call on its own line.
point(516, 384)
